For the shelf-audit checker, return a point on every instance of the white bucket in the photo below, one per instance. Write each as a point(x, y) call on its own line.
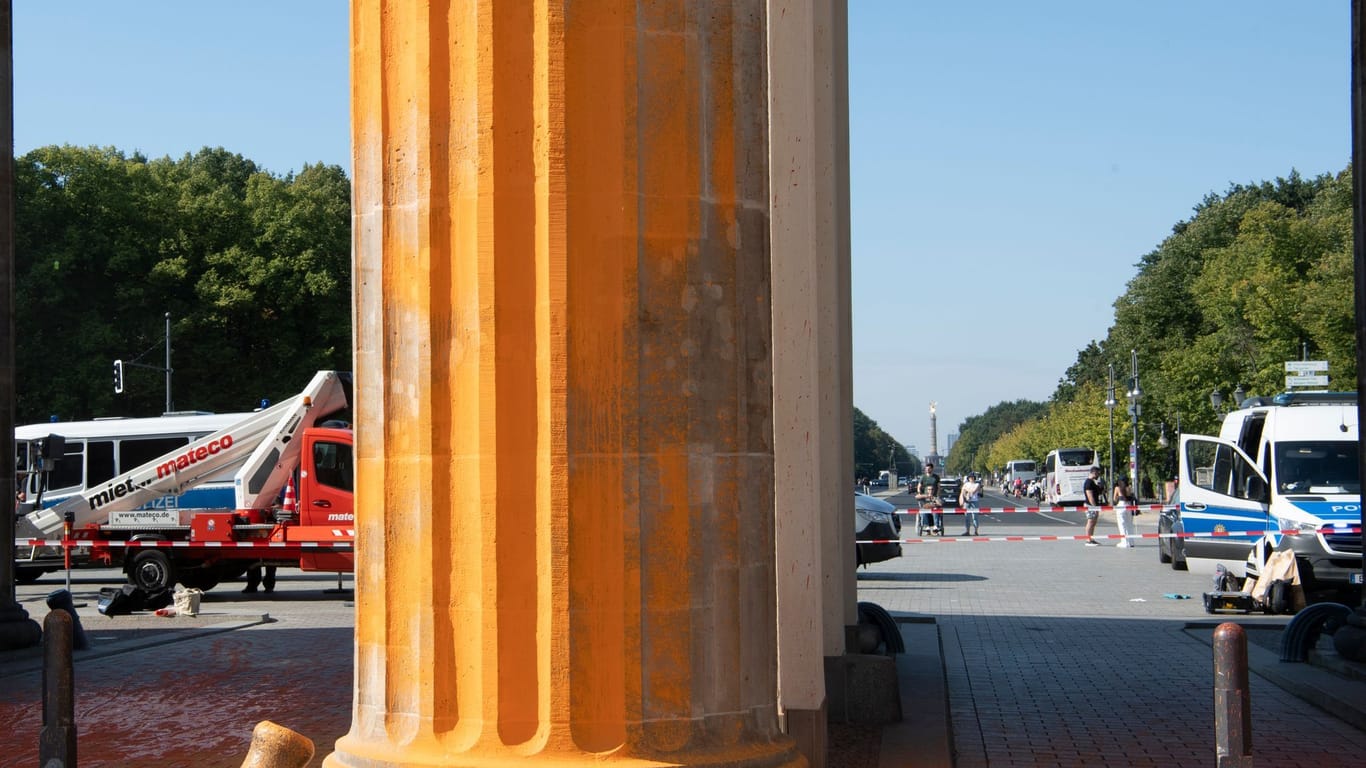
point(187, 601)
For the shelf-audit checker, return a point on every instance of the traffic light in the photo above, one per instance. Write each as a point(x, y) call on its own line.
point(118, 377)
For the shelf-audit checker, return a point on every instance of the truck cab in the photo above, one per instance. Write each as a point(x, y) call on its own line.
point(327, 496)
point(1281, 475)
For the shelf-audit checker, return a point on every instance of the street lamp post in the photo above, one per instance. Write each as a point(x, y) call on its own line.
point(168, 362)
point(1135, 410)
point(1110, 406)
point(1216, 400)
point(1165, 445)
point(1173, 468)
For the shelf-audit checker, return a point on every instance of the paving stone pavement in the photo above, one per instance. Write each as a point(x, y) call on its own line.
point(187, 692)
point(1054, 654)
point(1058, 654)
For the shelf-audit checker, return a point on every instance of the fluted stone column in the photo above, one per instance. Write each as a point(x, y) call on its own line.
point(564, 406)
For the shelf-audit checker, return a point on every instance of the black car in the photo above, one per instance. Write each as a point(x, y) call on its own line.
point(875, 521)
point(948, 491)
point(1170, 547)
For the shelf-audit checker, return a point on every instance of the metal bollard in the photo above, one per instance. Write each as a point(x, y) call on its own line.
point(1232, 708)
point(61, 600)
point(275, 746)
point(57, 740)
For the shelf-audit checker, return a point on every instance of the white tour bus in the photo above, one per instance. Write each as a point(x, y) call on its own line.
point(1065, 471)
point(1022, 470)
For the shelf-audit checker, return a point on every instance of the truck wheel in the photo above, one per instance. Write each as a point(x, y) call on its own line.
point(152, 571)
point(27, 575)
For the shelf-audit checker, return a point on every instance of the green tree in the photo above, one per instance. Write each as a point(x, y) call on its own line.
point(253, 269)
point(1257, 275)
point(1090, 368)
point(284, 294)
point(874, 449)
point(978, 433)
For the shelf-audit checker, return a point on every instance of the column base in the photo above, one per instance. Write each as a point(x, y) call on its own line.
point(350, 754)
point(17, 630)
point(810, 729)
point(862, 688)
point(1350, 640)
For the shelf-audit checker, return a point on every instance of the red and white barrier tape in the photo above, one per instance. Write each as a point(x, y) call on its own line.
point(154, 543)
point(999, 510)
point(1205, 535)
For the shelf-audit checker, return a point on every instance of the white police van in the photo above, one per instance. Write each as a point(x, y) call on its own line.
point(1282, 463)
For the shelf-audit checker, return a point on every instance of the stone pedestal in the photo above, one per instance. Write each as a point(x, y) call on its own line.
point(1350, 639)
point(17, 630)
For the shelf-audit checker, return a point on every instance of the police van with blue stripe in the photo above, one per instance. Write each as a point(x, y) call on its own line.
point(1281, 475)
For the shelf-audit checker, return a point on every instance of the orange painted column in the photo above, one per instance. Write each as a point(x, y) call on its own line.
point(564, 405)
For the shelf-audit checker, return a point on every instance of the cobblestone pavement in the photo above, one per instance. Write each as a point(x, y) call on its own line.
point(1058, 654)
point(1055, 654)
point(181, 691)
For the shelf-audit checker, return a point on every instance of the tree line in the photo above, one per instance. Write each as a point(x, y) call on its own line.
point(253, 269)
point(1258, 276)
point(875, 451)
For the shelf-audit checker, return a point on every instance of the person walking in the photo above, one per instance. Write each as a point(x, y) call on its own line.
point(970, 498)
point(1123, 497)
point(1092, 491)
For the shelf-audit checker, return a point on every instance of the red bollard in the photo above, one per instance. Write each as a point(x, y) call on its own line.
point(1232, 707)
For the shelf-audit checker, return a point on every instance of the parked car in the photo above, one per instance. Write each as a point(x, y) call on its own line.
point(875, 519)
point(1171, 549)
point(948, 490)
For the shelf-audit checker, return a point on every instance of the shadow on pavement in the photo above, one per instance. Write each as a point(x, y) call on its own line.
point(934, 577)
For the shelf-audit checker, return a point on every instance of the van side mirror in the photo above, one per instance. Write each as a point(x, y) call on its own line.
point(1256, 489)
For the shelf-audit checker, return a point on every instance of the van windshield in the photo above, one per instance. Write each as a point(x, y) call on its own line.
point(1317, 466)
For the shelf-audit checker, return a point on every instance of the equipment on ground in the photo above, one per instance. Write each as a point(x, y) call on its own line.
point(1276, 590)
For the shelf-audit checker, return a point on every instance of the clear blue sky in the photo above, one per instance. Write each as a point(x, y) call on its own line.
point(1010, 164)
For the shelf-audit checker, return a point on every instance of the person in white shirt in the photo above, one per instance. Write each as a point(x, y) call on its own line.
point(1124, 517)
point(970, 498)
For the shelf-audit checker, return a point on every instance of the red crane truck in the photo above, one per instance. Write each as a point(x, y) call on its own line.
point(126, 521)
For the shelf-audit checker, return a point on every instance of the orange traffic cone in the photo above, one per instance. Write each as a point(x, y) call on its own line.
point(290, 506)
